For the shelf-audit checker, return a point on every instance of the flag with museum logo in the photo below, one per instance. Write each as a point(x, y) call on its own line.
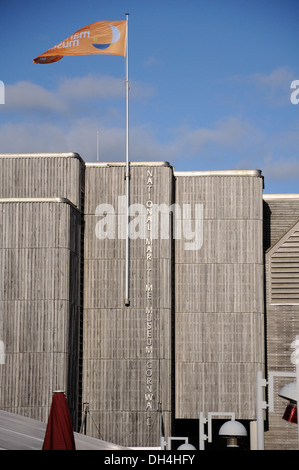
point(103, 37)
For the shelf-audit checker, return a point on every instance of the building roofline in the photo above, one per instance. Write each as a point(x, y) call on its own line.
point(43, 155)
point(277, 244)
point(123, 164)
point(37, 200)
point(220, 173)
point(281, 196)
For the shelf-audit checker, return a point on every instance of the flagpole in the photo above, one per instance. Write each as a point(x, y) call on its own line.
point(127, 176)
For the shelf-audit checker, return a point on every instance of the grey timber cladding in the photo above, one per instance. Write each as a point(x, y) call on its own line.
point(281, 212)
point(282, 308)
point(219, 297)
point(42, 176)
point(284, 268)
point(206, 311)
point(127, 350)
point(39, 262)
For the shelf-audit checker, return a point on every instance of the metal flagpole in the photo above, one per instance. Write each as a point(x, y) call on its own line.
point(127, 176)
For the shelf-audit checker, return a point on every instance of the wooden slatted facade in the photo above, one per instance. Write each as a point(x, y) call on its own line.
point(40, 257)
point(39, 304)
point(127, 349)
point(282, 307)
point(219, 306)
point(193, 335)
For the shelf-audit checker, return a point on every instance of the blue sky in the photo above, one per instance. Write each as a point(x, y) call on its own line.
point(209, 84)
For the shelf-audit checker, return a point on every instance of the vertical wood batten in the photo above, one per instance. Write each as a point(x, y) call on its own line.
point(282, 306)
point(115, 336)
point(219, 296)
point(39, 256)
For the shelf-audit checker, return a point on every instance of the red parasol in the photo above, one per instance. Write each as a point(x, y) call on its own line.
point(59, 433)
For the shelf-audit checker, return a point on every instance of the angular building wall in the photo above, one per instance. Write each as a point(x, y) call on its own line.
point(282, 308)
point(39, 304)
point(127, 349)
point(42, 176)
point(191, 338)
point(40, 296)
point(219, 305)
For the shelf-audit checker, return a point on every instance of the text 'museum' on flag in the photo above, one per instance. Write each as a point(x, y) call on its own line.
point(103, 37)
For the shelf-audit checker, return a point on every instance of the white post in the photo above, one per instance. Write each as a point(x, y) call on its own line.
point(127, 175)
point(253, 435)
point(202, 436)
point(260, 406)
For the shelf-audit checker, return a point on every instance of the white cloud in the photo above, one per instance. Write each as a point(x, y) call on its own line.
point(221, 146)
point(274, 86)
point(80, 135)
point(227, 133)
point(281, 168)
point(26, 96)
point(278, 78)
point(150, 61)
point(232, 141)
point(87, 90)
point(28, 137)
point(91, 87)
point(82, 138)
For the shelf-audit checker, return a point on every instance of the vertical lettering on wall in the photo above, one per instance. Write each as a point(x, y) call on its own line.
point(149, 292)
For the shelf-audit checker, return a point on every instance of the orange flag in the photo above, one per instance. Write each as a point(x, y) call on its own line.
point(103, 37)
